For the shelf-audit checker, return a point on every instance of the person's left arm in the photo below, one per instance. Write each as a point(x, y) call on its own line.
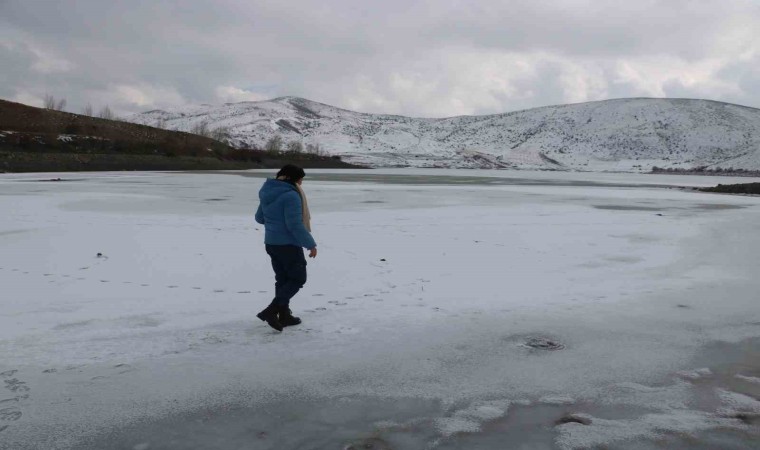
point(294, 220)
point(260, 215)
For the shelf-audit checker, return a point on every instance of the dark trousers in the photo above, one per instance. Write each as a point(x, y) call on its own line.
point(289, 266)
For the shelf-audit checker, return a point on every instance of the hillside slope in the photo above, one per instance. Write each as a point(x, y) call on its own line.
point(623, 134)
point(36, 139)
point(105, 134)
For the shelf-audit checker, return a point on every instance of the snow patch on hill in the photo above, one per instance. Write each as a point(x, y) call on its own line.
point(611, 135)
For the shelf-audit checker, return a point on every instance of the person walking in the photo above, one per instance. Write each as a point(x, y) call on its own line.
point(284, 212)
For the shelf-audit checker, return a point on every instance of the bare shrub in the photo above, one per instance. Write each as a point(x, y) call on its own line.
point(53, 104)
point(294, 147)
point(106, 113)
point(274, 144)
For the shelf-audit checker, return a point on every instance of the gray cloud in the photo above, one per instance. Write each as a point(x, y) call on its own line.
point(422, 58)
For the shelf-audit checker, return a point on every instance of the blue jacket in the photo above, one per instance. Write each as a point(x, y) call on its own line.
point(281, 213)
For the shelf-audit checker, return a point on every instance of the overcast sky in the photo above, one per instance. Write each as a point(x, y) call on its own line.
point(431, 58)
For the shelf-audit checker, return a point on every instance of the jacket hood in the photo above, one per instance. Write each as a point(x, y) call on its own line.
point(273, 189)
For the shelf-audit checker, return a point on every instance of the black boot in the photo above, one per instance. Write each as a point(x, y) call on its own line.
point(287, 319)
point(269, 315)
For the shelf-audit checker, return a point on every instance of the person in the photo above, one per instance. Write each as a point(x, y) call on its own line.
point(284, 212)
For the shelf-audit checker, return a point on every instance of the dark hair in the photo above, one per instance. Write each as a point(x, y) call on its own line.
point(291, 173)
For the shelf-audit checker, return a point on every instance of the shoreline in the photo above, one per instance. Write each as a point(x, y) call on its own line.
point(28, 162)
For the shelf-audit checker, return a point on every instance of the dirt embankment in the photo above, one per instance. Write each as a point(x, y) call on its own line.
point(24, 161)
point(742, 188)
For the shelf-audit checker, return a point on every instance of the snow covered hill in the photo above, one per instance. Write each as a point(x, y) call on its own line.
point(625, 134)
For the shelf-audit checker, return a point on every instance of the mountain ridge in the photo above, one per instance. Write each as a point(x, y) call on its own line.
point(629, 134)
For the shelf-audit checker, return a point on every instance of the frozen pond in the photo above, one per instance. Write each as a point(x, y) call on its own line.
point(447, 309)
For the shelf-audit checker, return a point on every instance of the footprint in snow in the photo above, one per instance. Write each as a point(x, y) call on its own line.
point(213, 339)
point(346, 330)
point(16, 385)
point(10, 414)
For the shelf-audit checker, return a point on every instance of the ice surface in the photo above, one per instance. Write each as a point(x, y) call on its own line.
point(416, 310)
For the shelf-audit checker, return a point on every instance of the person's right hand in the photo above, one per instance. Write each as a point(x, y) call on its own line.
point(313, 252)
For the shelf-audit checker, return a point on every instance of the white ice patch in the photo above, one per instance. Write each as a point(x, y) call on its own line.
point(470, 420)
point(604, 432)
point(695, 374)
point(737, 403)
point(750, 379)
point(448, 426)
point(673, 396)
point(556, 400)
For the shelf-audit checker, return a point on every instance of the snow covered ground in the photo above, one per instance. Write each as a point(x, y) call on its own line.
point(640, 301)
point(629, 134)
